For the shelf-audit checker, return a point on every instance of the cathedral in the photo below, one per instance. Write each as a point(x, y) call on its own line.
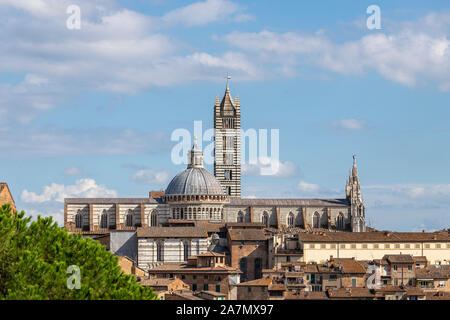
point(195, 194)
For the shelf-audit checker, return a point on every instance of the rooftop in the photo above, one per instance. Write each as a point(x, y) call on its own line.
point(289, 202)
point(379, 236)
point(246, 234)
point(171, 232)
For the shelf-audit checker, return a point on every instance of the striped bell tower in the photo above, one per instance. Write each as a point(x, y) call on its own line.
point(227, 143)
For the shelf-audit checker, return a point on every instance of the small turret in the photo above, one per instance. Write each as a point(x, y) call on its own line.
point(195, 156)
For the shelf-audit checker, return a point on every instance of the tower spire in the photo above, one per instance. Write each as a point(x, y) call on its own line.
point(355, 168)
point(228, 77)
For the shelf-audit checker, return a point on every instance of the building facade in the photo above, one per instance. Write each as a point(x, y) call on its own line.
point(196, 194)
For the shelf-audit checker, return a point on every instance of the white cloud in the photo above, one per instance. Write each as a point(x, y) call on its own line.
point(348, 124)
point(308, 188)
point(201, 13)
point(116, 50)
point(408, 195)
point(409, 53)
point(267, 166)
point(150, 176)
point(83, 188)
point(51, 141)
point(73, 171)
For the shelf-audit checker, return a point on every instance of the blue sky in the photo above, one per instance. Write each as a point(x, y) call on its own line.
point(90, 112)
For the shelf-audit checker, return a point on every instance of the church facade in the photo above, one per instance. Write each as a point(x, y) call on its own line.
point(195, 194)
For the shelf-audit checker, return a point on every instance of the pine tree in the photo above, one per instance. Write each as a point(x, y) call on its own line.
point(35, 256)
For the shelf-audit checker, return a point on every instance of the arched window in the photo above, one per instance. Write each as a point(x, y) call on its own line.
point(247, 217)
point(79, 220)
point(290, 220)
point(265, 219)
point(104, 220)
point(186, 250)
point(159, 251)
point(340, 222)
point(129, 219)
point(154, 218)
point(240, 217)
point(316, 220)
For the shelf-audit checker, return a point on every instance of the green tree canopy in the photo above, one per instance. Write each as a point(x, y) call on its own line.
point(35, 257)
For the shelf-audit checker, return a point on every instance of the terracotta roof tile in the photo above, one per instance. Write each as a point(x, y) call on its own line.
point(247, 234)
point(379, 236)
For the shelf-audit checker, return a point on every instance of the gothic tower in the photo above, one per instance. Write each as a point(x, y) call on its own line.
point(227, 143)
point(353, 194)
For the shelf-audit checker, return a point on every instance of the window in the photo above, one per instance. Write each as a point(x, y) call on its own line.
point(316, 220)
point(353, 282)
point(409, 267)
point(154, 218)
point(387, 245)
point(228, 191)
point(186, 251)
point(242, 242)
point(395, 267)
point(340, 222)
point(265, 219)
point(418, 246)
point(323, 246)
point(290, 221)
point(194, 287)
point(205, 287)
point(217, 287)
point(375, 246)
point(333, 277)
point(228, 175)
point(78, 220)
point(364, 246)
point(104, 220)
point(228, 158)
point(353, 246)
point(228, 123)
point(397, 245)
point(249, 289)
point(159, 251)
point(129, 219)
point(243, 268)
point(438, 245)
point(263, 289)
point(258, 268)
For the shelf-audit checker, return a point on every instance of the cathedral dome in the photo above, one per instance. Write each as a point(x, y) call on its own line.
point(194, 181)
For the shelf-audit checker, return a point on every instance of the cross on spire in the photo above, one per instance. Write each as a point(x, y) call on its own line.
point(228, 77)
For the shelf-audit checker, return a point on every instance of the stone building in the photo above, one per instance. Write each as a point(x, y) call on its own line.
point(205, 272)
point(248, 248)
point(6, 196)
point(195, 194)
point(158, 245)
point(319, 246)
